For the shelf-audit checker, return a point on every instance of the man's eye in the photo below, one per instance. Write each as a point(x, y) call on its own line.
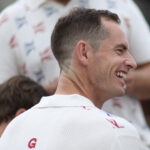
point(120, 51)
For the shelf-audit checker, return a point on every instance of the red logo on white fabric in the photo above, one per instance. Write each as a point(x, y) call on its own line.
point(45, 55)
point(3, 19)
point(13, 43)
point(23, 69)
point(86, 108)
point(39, 27)
point(32, 143)
point(114, 123)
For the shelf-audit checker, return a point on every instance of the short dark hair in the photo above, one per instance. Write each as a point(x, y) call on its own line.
point(80, 24)
point(18, 92)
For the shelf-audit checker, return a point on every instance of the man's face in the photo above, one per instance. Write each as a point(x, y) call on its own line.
point(110, 64)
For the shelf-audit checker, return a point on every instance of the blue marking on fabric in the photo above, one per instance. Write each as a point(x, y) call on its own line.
point(50, 10)
point(20, 22)
point(83, 3)
point(109, 114)
point(39, 75)
point(29, 47)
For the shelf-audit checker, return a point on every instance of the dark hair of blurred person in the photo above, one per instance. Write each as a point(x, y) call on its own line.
point(18, 94)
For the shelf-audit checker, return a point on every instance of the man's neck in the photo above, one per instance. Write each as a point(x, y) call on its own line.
point(67, 86)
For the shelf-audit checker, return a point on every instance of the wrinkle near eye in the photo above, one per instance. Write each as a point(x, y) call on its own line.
point(120, 51)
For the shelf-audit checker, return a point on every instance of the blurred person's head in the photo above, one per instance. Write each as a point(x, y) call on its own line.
point(18, 94)
point(62, 1)
point(92, 52)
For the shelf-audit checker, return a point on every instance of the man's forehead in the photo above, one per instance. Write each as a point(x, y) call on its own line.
point(114, 29)
point(110, 24)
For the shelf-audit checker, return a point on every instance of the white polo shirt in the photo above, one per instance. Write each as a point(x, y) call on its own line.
point(25, 29)
point(69, 122)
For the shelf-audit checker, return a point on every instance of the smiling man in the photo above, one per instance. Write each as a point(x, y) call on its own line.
point(109, 63)
point(92, 52)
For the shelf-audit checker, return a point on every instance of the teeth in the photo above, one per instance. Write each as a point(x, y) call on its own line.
point(121, 74)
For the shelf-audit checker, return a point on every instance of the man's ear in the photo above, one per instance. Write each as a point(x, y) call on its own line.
point(20, 111)
point(82, 50)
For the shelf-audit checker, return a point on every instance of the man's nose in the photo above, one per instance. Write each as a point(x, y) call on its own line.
point(130, 62)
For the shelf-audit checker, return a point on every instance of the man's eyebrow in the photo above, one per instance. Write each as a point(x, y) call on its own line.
point(123, 46)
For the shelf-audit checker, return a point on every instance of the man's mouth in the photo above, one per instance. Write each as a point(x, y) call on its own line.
point(121, 74)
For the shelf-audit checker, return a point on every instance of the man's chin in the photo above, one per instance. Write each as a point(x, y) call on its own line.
point(120, 92)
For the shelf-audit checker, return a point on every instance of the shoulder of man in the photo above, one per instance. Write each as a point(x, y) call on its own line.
point(86, 128)
point(96, 129)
